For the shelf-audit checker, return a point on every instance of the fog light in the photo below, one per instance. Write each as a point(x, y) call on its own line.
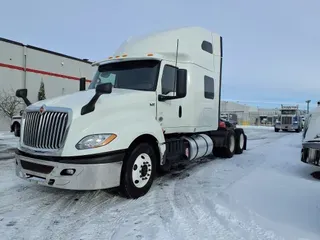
point(67, 172)
point(51, 182)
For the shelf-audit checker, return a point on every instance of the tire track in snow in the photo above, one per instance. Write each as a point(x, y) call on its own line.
point(196, 209)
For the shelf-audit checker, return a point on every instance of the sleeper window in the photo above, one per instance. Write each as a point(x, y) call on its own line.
point(208, 87)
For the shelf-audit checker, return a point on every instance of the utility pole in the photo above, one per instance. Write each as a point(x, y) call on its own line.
point(308, 102)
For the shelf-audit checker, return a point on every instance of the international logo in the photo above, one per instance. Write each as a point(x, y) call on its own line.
point(42, 109)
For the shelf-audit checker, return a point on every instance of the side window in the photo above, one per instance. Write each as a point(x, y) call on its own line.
point(168, 80)
point(207, 47)
point(208, 87)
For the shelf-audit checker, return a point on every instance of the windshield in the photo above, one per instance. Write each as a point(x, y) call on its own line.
point(137, 75)
point(288, 112)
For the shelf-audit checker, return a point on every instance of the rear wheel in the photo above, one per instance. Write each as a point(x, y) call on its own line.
point(229, 150)
point(240, 143)
point(138, 171)
point(276, 129)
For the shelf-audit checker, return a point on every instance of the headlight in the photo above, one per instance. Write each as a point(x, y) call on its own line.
point(295, 122)
point(95, 141)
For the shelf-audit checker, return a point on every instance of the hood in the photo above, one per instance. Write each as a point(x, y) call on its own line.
point(117, 99)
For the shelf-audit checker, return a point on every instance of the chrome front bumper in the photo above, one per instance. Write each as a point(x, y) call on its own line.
point(289, 126)
point(101, 174)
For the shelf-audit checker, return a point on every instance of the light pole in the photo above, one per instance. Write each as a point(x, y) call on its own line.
point(308, 102)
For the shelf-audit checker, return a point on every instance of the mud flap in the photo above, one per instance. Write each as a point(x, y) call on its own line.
point(304, 155)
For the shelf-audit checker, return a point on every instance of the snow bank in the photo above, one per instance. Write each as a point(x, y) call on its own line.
point(8, 142)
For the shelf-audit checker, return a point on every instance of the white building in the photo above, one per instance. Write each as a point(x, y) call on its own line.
point(25, 66)
point(249, 115)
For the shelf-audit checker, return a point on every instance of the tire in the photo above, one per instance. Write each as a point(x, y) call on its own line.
point(240, 143)
point(141, 161)
point(218, 152)
point(16, 130)
point(229, 150)
point(276, 129)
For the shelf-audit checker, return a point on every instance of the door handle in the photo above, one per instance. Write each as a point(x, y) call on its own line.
point(151, 104)
point(180, 111)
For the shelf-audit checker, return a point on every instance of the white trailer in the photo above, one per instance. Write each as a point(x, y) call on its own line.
point(26, 66)
point(153, 104)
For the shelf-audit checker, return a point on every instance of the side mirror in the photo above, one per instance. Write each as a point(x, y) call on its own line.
point(23, 93)
point(181, 91)
point(104, 88)
point(82, 82)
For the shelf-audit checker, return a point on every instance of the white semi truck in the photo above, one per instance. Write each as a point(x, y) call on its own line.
point(16, 123)
point(310, 151)
point(153, 104)
point(289, 119)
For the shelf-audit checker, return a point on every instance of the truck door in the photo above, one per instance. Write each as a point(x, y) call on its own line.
point(169, 112)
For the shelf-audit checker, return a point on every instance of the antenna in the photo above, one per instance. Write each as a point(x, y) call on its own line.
point(177, 51)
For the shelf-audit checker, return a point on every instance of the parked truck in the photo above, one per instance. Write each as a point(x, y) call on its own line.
point(289, 119)
point(153, 104)
point(310, 150)
point(16, 124)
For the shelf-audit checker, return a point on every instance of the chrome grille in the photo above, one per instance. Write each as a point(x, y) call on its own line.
point(286, 120)
point(46, 130)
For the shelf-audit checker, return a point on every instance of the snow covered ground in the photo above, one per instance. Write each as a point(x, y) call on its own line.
point(8, 143)
point(265, 193)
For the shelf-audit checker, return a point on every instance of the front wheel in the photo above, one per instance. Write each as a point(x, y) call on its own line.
point(138, 171)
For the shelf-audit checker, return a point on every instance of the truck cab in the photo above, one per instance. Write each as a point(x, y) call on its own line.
point(289, 119)
point(154, 103)
point(310, 150)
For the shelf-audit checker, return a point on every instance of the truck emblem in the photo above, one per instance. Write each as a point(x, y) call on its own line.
point(42, 109)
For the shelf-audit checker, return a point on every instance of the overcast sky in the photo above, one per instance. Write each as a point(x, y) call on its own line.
point(271, 48)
